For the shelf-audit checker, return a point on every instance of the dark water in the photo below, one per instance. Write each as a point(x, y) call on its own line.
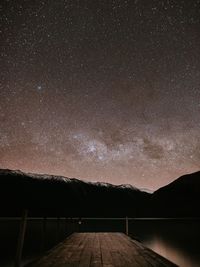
point(177, 240)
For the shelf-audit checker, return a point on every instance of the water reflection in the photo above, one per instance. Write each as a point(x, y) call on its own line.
point(173, 253)
point(176, 240)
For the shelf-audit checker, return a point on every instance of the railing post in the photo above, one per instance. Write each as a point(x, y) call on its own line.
point(66, 226)
point(20, 242)
point(43, 243)
point(57, 230)
point(126, 225)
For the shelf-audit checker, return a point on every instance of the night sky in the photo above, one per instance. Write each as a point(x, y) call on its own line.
point(104, 90)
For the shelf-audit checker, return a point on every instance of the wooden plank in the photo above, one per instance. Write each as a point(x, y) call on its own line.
point(86, 253)
point(129, 253)
point(152, 258)
point(96, 259)
point(76, 248)
point(101, 250)
point(116, 251)
point(136, 258)
point(105, 250)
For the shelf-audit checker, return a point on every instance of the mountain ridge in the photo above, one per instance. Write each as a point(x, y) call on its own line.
point(65, 179)
point(52, 195)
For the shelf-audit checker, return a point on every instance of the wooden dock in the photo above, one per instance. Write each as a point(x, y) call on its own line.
point(100, 250)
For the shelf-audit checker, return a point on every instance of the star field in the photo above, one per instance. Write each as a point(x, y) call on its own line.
point(101, 90)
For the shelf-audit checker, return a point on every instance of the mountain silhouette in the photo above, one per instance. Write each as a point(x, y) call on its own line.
point(179, 198)
point(49, 195)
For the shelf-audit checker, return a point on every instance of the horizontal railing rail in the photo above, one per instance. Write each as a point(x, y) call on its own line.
point(71, 224)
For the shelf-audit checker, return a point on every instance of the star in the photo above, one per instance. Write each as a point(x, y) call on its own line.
point(39, 87)
point(123, 79)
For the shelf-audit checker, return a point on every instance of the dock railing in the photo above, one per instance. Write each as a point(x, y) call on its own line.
point(61, 227)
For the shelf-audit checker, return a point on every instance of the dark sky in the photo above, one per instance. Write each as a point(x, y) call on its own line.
point(104, 90)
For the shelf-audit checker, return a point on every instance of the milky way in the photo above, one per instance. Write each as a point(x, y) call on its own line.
point(101, 90)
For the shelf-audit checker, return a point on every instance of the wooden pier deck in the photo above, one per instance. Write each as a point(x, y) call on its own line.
point(100, 250)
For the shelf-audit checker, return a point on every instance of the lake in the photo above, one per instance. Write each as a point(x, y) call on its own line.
point(175, 239)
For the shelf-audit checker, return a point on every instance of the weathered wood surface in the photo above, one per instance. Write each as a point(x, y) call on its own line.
point(100, 250)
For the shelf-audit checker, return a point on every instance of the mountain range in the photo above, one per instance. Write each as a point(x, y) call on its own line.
point(49, 195)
